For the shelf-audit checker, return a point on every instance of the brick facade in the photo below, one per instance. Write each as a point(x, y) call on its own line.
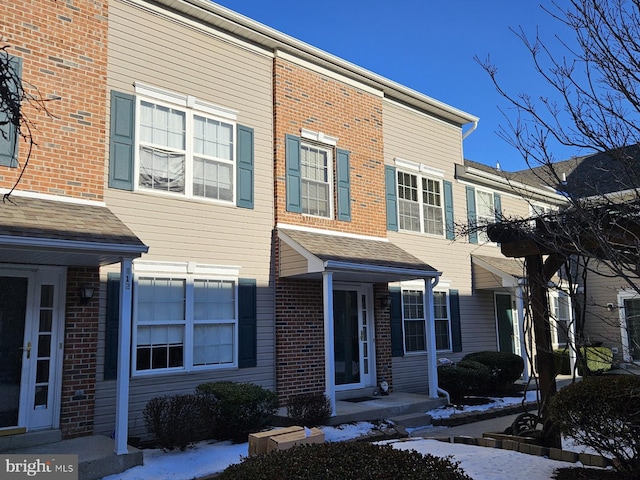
point(63, 46)
point(305, 99)
point(80, 348)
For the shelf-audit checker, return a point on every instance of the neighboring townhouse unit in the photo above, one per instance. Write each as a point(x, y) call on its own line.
point(55, 230)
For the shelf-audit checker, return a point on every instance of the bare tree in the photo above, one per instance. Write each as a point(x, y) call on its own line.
point(595, 111)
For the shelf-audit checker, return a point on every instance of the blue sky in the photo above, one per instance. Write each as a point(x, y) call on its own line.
point(427, 45)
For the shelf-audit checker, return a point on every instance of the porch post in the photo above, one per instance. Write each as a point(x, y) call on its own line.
point(329, 354)
point(432, 358)
point(524, 351)
point(124, 358)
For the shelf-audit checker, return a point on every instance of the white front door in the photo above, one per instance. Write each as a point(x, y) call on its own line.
point(31, 329)
point(353, 337)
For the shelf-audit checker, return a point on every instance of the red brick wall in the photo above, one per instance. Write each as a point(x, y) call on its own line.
point(299, 338)
point(305, 99)
point(382, 320)
point(79, 362)
point(63, 45)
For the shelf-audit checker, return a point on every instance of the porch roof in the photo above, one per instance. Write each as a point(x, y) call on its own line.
point(306, 254)
point(502, 272)
point(52, 232)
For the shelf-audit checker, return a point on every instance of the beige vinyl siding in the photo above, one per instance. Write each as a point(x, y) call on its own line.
point(162, 52)
point(291, 262)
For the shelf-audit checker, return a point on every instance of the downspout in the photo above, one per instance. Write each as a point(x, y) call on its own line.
point(469, 132)
point(441, 391)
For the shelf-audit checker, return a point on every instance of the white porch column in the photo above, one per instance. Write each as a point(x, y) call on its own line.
point(524, 351)
point(124, 358)
point(432, 358)
point(573, 352)
point(329, 354)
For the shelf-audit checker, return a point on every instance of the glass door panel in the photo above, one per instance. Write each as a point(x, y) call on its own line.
point(346, 337)
point(13, 308)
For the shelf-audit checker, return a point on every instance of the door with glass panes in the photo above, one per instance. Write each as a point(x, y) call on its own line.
point(31, 323)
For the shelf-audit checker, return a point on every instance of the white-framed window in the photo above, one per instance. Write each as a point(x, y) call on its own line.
point(414, 321)
point(420, 203)
point(560, 305)
point(442, 319)
point(316, 172)
point(184, 322)
point(629, 311)
point(184, 146)
point(485, 212)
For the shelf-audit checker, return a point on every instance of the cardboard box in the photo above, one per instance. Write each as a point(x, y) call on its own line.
point(288, 440)
point(258, 442)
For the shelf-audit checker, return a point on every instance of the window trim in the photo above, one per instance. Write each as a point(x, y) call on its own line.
point(331, 174)
point(421, 175)
point(554, 297)
point(447, 298)
point(484, 241)
point(191, 106)
point(189, 272)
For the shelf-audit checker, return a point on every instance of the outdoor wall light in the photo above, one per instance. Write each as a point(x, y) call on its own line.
point(86, 293)
point(385, 301)
point(610, 307)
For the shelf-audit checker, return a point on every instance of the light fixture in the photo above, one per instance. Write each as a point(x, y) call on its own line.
point(610, 307)
point(86, 293)
point(384, 301)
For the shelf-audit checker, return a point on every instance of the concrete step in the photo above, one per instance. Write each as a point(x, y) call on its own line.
point(29, 439)
point(412, 420)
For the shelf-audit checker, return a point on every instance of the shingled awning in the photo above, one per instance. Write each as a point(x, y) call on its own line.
point(491, 273)
point(306, 254)
point(51, 232)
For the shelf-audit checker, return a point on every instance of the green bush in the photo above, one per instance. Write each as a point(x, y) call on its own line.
point(231, 411)
point(309, 409)
point(602, 413)
point(505, 367)
point(339, 461)
point(173, 421)
point(465, 378)
point(598, 360)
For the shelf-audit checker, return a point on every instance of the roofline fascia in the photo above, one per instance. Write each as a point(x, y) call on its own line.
point(332, 265)
point(70, 245)
point(276, 40)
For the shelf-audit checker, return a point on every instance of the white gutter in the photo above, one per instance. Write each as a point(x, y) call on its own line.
point(53, 244)
point(471, 130)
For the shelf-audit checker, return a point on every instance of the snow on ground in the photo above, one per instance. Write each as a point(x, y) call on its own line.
point(480, 463)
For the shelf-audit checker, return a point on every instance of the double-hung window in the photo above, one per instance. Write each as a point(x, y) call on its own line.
point(561, 311)
point(316, 179)
point(184, 323)
point(415, 322)
point(185, 148)
point(420, 204)
point(485, 212)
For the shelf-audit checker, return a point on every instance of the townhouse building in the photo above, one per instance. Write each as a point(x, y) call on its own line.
point(246, 207)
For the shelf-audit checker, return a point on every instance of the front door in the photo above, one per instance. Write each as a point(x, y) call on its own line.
point(31, 321)
point(353, 337)
point(508, 334)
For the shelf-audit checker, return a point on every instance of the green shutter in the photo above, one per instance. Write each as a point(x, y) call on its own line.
point(247, 323)
point(112, 324)
point(456, 331)
point(294, 179)
point(245, 159)
point(344, 186)
point(395, 310)
point(121, 141)
point(471, 214)
point(391, 197)
point(497, 207)
point(9, 132)
point(448, 211)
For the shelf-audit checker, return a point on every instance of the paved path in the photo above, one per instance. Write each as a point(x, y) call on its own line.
point(473, 429)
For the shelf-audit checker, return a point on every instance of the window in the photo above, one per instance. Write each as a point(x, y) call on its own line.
point(184, 323)
point(316, 180)
point(9, 136)
point(485, 212)
point(420, 204)
point(414, 321)
point(185, 151)
point(561, 311)
point(442, 321)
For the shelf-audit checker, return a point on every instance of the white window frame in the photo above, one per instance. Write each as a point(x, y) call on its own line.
point(413, 320)
point(420, 179)
point(189, 272)
point(328, 149)
point(419, 287)
point(554, 300)
point(484, 219)
point(191, 107)
point(624, 332)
